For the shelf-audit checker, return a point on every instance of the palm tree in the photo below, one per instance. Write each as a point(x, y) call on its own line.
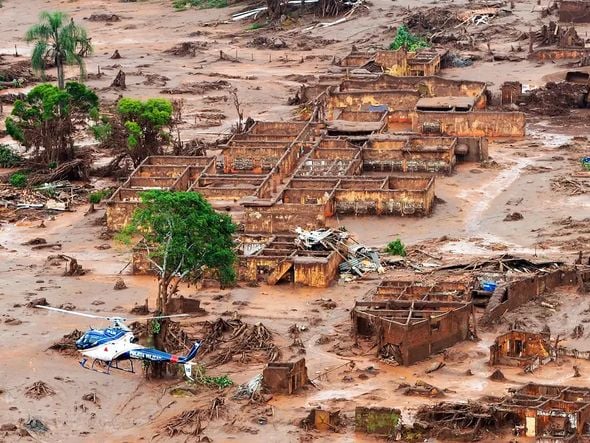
point(62, 42)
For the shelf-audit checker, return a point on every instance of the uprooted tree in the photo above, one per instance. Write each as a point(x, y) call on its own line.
point(185, 238)
point(58, 41)
point(143, 128)
point(46, 121)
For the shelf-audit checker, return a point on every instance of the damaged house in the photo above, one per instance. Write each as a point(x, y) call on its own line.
point(408, 331)
point(550, 412)
point(527, 350)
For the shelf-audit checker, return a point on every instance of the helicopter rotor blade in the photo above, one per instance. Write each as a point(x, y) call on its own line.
point(159, 316)
point(65, 311)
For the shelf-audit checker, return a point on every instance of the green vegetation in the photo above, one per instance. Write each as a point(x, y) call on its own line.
point(139, 128)
point(59, 39)
point(201, 377)
point(256, 25)
point(47, 119)
point(396, 247)
point(405, 39)
point(188, 237)
point(96, 197)
point(9, 158)
point(181, 5)
point(18, 180)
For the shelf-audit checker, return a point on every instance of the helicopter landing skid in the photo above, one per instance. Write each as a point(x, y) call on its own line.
point(113, 364)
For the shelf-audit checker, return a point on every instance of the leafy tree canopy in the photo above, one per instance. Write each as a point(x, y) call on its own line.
point(188, 235)
point(143, 126)
point(46, 120)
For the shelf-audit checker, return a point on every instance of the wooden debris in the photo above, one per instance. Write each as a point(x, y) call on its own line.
point(435, 367)
point(187, 423)
point(38, 390)
point(72, 266)
point(570, 186)
point(228, 338)
point(67, 344)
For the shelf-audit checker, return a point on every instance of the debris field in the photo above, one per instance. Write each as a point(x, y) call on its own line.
point(413, 224)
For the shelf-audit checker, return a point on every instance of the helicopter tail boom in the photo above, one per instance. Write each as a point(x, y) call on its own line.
point(150, 354)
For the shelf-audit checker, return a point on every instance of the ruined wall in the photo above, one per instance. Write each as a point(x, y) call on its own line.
point(396, 60)
point(558, 54)
point(276, 127)
point(282, 218)
point(360, 101)
point(316, 272)
point(509, 296)
point(258, 160)
point(472, 124)
point(140, 265)
point(257, 267)
point(477, 149)
point(409, 155)
point(425, 338)
point(285, 378)
point(383, 202)
point(356, 59)
point(119, 213)
point(427, 86)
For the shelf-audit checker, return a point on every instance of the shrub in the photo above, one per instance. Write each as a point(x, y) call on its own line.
point(18, 180)
point(396, 247)
point(405, 39)
point(97, 196)
point(9, 158)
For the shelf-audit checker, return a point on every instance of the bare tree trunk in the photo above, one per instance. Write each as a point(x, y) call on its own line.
point(60, 73)
point(157, 368)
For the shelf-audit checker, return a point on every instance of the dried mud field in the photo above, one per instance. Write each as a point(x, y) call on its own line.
point(470, 222)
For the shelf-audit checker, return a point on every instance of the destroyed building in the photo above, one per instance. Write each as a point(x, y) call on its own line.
point(526, 350)
point(424, 62)
point(410, 330)
point(548, 411)
point(453, 288)
point(421, 105)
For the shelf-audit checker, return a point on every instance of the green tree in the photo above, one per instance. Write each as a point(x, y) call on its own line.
point(185, 237)
point(59, 41)
point(49, 117)
point(145, 127)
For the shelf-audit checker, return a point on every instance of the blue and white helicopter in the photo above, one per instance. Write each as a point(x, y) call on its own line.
point(111, 345)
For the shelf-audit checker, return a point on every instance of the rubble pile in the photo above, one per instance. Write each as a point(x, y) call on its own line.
point(16, 203)
point(556, 98)
point(436, 22)
point(67, 344)
point(570, 185)
point(185, 423)
point(458, 420)
point(225, 339)
point(17, 71)
point(38, 390)
point(185, 49)
point(357, 259)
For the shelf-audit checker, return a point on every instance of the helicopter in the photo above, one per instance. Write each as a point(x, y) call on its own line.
point(111, 345)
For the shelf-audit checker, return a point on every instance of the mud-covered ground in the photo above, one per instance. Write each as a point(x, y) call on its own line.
point(473, 204)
